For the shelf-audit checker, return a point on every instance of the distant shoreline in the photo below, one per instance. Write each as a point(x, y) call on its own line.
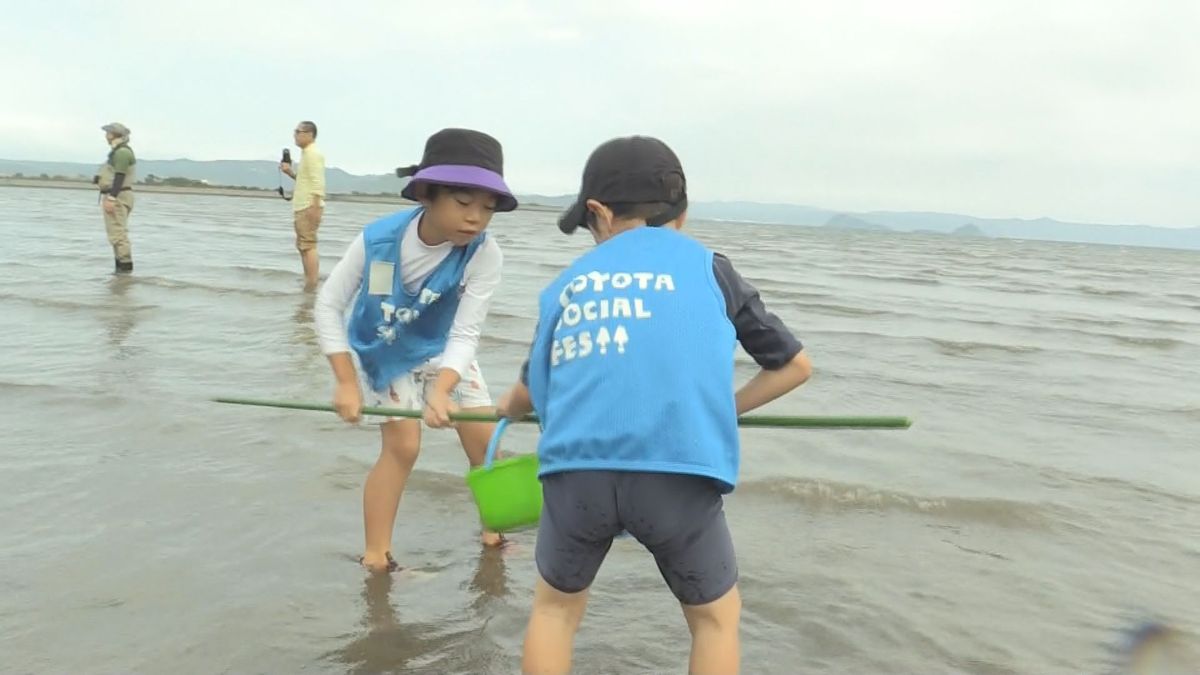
point(226, 192)
point(901, 223)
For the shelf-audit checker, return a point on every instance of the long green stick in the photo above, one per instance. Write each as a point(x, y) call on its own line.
point(782, 421)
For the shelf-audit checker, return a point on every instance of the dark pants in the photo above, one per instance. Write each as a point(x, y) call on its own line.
point(679, 518)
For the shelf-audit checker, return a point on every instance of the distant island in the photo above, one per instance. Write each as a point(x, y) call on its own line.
point(848, 222)
point(261, 178)
point(968, 230)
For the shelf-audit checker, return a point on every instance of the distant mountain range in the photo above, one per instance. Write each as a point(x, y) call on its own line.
point(265, 174)
point(230, 172)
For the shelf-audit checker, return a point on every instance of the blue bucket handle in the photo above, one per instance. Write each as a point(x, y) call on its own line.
point(492, 444)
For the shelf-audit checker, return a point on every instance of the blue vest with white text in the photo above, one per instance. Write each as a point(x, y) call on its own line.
point(631, 368)
point(391, 330)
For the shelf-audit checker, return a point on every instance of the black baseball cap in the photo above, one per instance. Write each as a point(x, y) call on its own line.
point(630, 170)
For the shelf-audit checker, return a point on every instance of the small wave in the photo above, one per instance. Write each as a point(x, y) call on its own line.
point(840, 310)
point(1162, 343)
point(1107, 292)
point(494, 313)
point(1152, 493)
point(786, 294)
point(176, 284)
point(1123, 407)
point(988, 275)
point(920, 281)
point(268, 272)
point(968, 348)
point(1016, 289)
point(26, 386)
point(1169, 324)
point(827, 495)
point(1152, 342)
point(1015, 270)
point(535, 264)
point(1083, 321)
point(94, 398)
point(496, 340)
point(56, 303)
point(990, 323)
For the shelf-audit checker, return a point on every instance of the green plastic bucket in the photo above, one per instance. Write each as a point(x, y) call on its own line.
point(507, 492)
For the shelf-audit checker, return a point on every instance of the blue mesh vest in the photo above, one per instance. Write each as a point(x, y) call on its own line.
point(631, 366)
point(391, 330)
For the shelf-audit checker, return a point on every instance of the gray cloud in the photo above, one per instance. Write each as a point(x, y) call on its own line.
point(1082, 111)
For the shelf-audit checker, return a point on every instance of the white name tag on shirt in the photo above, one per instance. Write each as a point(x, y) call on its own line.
point(380, 278)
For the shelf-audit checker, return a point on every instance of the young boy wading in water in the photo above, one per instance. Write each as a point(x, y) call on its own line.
point(421, 281)
point(631, 374)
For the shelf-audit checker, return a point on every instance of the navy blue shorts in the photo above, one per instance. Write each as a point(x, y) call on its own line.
point(679, 518)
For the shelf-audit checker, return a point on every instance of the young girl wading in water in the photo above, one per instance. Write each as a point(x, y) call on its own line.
point(420, 282)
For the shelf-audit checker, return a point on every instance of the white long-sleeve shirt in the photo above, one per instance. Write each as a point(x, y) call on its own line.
point(417, 261)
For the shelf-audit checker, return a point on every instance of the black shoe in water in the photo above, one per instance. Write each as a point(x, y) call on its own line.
point(124, 267)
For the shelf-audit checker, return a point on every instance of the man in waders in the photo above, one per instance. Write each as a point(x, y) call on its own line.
point(116, 193)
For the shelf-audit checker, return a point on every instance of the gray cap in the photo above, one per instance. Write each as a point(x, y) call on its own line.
point(116, 128)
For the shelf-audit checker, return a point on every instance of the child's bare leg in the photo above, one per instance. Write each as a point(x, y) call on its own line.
point(475, 437)
point(384, 485)
point(714, 627)
point(550, 637)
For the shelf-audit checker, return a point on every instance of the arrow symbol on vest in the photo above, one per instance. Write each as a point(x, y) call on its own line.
point(602, 339)
point(620, 337)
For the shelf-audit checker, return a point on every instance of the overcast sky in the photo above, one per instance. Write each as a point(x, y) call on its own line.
point(1075, 110)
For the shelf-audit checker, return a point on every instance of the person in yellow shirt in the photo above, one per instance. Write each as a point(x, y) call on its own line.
point(308, 199)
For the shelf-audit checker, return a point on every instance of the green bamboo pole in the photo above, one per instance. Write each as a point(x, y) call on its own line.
point(777, 421)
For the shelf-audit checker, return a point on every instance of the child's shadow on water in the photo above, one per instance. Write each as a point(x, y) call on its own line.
point(490, 583)
point(389, 645)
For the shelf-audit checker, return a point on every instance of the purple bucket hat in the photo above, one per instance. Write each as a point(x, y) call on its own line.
point(461, 158)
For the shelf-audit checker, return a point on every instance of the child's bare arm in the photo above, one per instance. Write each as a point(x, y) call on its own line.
point(769, 385)
point(515, 403)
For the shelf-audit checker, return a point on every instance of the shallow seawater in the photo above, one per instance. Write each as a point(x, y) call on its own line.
point(1046, 501)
